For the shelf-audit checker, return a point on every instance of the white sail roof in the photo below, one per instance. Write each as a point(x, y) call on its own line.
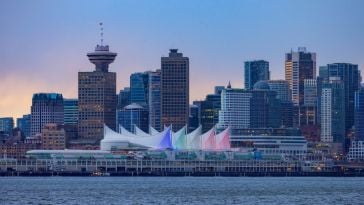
point(194, 139)
point(153, 131)
point(140, 132)
point(160, 141)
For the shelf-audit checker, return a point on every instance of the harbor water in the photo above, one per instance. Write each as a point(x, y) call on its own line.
point(181, 190)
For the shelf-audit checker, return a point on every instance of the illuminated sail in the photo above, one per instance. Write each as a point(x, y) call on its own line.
point(223, 140)
point(180, 139)
point(208, 140)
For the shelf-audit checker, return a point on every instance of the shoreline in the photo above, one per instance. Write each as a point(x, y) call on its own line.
point(183, 174)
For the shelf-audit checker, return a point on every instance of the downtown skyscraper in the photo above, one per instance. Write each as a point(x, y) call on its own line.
point(255, 71)
point(299, 66)
point(97, 96)
point(349, 74)
point(154, 99)
point(174, 90)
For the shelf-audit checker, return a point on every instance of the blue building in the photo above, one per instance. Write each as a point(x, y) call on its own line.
point(359, 115)
point(154, 99)
point(139, 88)
point(255, 71)
point(133, 115)
point(349, 74)
point(124, 98)
point(23, 124)
point(70, 111)
point(194, 120)
point(6, 125)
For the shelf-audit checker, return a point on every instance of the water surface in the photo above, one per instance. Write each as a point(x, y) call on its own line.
point(181, 190)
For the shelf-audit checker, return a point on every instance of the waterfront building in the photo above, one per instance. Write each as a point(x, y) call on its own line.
point(97, 96)
point(255, 71)
point(333, 112)
point(295, 146)
point(133, 115)
point(6, 125)
point(350, 75)
point(17, 150)
point(123, 98)
point(53, 137)
point(174, 90)
point(356, 151)
point(23, 124)
point(139, 88)
point(194, 120)
point(70, 111)
point(154, 99)
point(359, 114)
point(46, 108)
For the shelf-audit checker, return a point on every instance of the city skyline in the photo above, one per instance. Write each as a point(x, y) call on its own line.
point(45, 54)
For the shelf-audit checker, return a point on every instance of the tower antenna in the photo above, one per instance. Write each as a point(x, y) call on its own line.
point(101, 33)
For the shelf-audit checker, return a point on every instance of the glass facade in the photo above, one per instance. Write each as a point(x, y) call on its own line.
point(359, 115)
point(6, 125)
point(350, 75)
point(255, 71)
point(139, 88)
point(133, 115)
point(124, 98)
point(24, 125)
point(154, 99)
point(70, 111)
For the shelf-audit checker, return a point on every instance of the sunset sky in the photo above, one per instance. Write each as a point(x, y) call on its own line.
point(44, 43)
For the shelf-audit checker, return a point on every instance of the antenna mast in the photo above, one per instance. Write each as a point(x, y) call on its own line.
point(101, 33)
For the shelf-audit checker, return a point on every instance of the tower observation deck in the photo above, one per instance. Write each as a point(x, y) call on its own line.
point(101, 57)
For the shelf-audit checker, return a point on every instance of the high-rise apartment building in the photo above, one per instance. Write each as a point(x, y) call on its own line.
point(46, 108)
point(333, 112)
point(174, 90)
point(154, 99)
point(97, 97)
point(255, 71)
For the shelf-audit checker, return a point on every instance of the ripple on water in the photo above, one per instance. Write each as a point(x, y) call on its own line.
point(180, 190)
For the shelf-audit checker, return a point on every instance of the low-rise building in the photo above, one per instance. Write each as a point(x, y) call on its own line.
point(53, 137)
